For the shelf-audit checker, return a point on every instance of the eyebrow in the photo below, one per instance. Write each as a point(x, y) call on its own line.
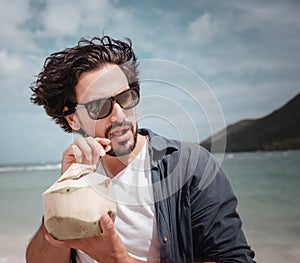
point(118, 91)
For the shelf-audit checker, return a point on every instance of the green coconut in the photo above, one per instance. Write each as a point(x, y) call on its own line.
point(70, 228)
point(74, 204)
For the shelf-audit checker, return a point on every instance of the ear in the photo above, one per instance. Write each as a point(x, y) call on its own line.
point(72, 120)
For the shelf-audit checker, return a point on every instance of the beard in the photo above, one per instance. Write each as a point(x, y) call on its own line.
point(121, 148)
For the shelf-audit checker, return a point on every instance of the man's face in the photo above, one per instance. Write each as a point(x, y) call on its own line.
point(120, 125)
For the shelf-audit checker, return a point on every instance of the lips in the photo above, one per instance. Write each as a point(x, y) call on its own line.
point(118, 132)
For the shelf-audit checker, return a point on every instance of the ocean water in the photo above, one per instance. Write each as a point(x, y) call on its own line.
point(266, 184)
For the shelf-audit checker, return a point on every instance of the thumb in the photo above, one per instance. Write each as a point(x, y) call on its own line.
point(107, 224)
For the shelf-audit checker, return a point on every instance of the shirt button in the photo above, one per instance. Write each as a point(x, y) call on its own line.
point(165, 239)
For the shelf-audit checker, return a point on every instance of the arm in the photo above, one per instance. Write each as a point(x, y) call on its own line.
point(40, 250)
point(217, 227)
point(106, 247)
point(87, 151)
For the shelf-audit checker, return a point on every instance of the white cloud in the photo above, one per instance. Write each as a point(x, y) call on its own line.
point(61, 19)
point(203, 29)
point(248, 52)
point(15, 36)
point(68, 18)
point(10, 63)
point(265, 16)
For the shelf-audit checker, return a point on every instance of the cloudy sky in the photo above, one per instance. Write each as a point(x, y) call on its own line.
point(212, 63)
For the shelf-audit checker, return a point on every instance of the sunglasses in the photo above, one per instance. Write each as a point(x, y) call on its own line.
point(101, 108)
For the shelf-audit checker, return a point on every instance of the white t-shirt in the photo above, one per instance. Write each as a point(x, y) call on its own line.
point(135, 219)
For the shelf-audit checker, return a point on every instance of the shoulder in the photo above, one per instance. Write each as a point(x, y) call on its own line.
point(172, 146)
point(184, 158)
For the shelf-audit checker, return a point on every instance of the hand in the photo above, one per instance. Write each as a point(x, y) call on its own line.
point(86, 151)
point(106, 247)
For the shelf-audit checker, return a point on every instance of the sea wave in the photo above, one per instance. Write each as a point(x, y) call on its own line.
point(30, 167)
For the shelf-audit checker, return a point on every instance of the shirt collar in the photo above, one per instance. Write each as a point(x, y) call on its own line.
point(159, 146)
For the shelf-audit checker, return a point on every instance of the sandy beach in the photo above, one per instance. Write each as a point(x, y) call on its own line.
point(13, 251)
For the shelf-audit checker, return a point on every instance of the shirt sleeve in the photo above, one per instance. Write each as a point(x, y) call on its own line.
point(216, 225)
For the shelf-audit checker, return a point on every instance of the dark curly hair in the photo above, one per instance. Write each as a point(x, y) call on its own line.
point(55, 85)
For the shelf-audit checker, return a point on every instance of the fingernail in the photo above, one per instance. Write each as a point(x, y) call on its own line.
point(106, 218)
point(102, 152)
point(47, 238)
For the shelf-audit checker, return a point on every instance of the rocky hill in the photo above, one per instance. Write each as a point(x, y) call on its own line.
point(279, 130)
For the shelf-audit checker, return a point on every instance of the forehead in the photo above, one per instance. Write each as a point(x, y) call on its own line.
point(100, 83)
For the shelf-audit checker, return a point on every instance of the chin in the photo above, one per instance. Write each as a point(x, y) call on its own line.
point(123, 148)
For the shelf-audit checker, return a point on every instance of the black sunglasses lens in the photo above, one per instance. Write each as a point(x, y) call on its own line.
point(128, 99)
point(99, 109)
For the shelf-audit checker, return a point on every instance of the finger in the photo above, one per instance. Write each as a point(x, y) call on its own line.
point(97, 149)
point(105, 144)
point(54, 242)
point(67, 243)
point(71, 155)
point(100, 146)
point(77, 153)
point(85, 149)
point(103, 141)
point(107, 224)
point(107, 148)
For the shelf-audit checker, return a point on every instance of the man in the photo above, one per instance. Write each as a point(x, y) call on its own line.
point(174, 204)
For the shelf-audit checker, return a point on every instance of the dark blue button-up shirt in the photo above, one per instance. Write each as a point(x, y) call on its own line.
point(195, 205)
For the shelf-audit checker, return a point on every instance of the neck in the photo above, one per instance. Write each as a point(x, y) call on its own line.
point(115, 164)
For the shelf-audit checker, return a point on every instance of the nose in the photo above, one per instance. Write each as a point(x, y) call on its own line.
point(117, 114)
